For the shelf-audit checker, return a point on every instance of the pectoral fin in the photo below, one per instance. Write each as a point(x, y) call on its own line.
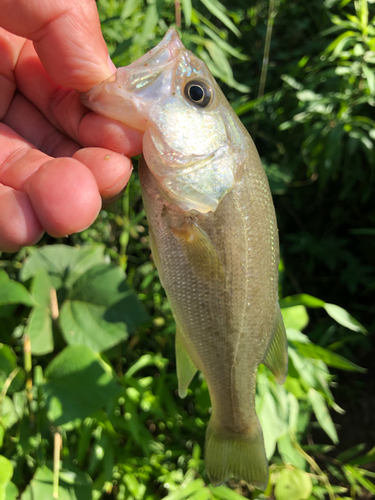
point(276, 358)
point(185, 366)
point(199, 251)
point(155, 254)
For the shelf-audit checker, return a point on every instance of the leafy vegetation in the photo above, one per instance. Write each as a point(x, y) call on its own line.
point(88, 402)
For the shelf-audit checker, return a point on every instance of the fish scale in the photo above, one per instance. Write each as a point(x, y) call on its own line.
point(214, 238)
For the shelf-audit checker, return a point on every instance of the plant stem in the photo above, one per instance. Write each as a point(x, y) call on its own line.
point(28, 371)
point(266, 58)
point(56, 462)
point(322, 477)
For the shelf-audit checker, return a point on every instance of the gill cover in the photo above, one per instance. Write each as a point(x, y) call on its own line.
point(191, 135)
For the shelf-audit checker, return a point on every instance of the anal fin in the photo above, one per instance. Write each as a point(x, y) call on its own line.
point(185, 366)
point(276, 358)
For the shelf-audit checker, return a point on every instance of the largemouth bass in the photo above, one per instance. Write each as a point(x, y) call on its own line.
point(214, 238)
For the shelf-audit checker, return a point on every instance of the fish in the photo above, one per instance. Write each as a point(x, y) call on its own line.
point(214, 239)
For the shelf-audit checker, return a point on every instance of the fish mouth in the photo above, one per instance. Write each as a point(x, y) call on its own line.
point(125, 96)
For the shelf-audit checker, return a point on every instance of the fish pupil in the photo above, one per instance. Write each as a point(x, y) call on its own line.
point(196, 93)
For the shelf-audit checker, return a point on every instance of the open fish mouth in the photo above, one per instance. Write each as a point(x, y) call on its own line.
point(127, 91)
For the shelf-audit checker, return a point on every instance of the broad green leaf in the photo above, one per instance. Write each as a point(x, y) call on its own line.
point(187, 10)
point(293, 484)
point(295, 317)
point(100, 310)
point(6, 473)
point(63, 263)
point(78, 382)
point(12, 292)
point(41, 487)
point(322, 414)
point(288, 453)
point(218, 10)
point(273, 426)
point(344, 318)
point(330, 358)
point(11, 492)
point(39, 326)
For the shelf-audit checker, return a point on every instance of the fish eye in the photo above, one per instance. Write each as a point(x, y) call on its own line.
point(198, 92)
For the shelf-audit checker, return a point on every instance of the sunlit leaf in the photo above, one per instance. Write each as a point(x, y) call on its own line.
point(218, 10)
point(295, 317)
point(101, 310)
point(78, 383)
point(344, 318)
point(330, 358)
point(187, 10)
point(293, 484)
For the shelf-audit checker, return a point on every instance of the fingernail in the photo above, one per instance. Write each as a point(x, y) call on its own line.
point(111, 65)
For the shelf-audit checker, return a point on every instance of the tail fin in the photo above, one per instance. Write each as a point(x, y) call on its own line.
point(236, 455)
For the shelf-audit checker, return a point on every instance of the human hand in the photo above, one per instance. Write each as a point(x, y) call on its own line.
point(52, 177)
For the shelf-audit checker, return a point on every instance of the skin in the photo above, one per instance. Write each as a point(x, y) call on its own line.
point(58, 160)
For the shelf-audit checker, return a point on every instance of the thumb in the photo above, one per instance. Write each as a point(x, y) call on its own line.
point(66, 36)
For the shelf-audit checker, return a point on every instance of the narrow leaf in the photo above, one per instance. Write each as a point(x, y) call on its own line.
point(217, 9)
point(310, 350)
point(322, 414)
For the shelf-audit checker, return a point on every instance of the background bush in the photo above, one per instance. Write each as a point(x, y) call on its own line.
point(87, 355)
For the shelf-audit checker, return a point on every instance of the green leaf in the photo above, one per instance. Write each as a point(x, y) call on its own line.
point(11, 492)
point(330, 358)
point(8, 414)
point(78, 382)
point(8, 363)
point(39, 326)
point(187, 491)
point(344, 318)
point(12, 292)
point(187, 10)
point(101, 310)
point(218, 10)
point(224, 493)
point(308, 95)
point(358, 475)
point(129, 7)
point(370, 77)
point(295, 317)
point(288, 453)
point(41, 487)
point(302, 299)
point(64, 264)
point(6, 473)
point(322, 414)
point(293, 484)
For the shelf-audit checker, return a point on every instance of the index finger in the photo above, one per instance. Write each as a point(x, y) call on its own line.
point(66, 36)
